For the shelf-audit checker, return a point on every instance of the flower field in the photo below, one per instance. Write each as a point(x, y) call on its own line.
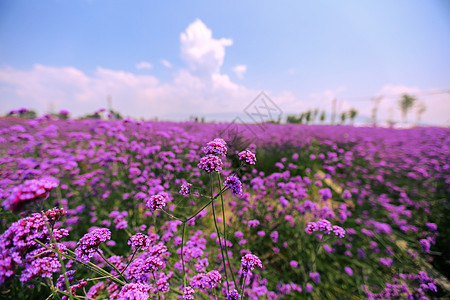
point(98, 209)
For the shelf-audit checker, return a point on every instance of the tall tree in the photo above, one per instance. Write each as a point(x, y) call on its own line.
point(421, 108)
point(406, 103)
point(352, 113)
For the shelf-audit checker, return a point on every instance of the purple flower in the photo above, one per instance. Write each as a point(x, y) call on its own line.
point(325, 226)
point(217, 146)
point(233, 295)
point(248, 157)
point(234, 184)
point(210, 163)
point(349, 271)
point(187, 293)
point(139, 240)
point(185, 189)
point(293, 263)
point(29, 192)
point(253, 223)
point(156, 202)
point(325, 193)
point(309, 288)
point(425, 245)
point(134, 291)
point(315, 276)
point(90, 242)
point(387, 261)
point(249, 262)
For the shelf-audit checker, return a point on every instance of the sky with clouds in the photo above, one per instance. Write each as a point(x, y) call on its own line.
point(212, 58)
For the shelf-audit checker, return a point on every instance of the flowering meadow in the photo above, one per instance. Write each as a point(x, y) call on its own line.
point(108, 209)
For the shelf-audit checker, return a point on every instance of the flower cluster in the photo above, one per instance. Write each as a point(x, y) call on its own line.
point(248, 157)
point(17, 246)
point(134, 291)
point(324, 226)
point(90, 242)
point(210, 163)
point(249, 262)
point(54, 214)
point(29, 192)
point(233, 295)
point(217, 146)
point(185, 189)
point(156, 202)
point(234, 184)
point(206, 281)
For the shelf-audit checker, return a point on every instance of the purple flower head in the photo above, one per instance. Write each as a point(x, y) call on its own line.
point(139, 240)
point(54, 214)
point(315, 276)
point(134, 291)
point(90, 242)
point(248, 157)
point(325, 193)
point(249, 262)
point(234, 184)
point(425, 245)
point(253, 223)
point(29, 192)
point(210, 163)
point(293, 263)
point(233, 295)
point(387, 261)
point(217, 146)
point(156, 202)
point(185, 189)
point(339, 231)
point(188, 293)
point(349, 271)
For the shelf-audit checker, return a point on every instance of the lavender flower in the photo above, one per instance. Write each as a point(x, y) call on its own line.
point(234, 184)
point(210, 163)
point(90, 242)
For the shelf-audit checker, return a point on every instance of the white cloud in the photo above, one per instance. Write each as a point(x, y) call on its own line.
point(202, 53)
point(166, 63)
point(240, 70)
point(144, 65)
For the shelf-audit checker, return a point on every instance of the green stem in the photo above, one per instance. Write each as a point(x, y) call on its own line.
point(243, 285)
point(63, 266)
point(88, 265)
point(131, 259)
point(218, 235)
point(156, 284)
point(225, 234)
point(182, 256)
point(112, 265)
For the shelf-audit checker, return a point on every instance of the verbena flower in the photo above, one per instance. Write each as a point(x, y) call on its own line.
point(210, 163)
point(188, 293)
point(233, 295)
point(185, 189)
point(29, 192)
point(249, 262)
point(156, 202)
point(324, 226)
point(248, 157)
point(217, 146)
point(134, 291)
point(90, 242)
point(234, 184)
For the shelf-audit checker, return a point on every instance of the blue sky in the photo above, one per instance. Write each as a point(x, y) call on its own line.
point(71, 55)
